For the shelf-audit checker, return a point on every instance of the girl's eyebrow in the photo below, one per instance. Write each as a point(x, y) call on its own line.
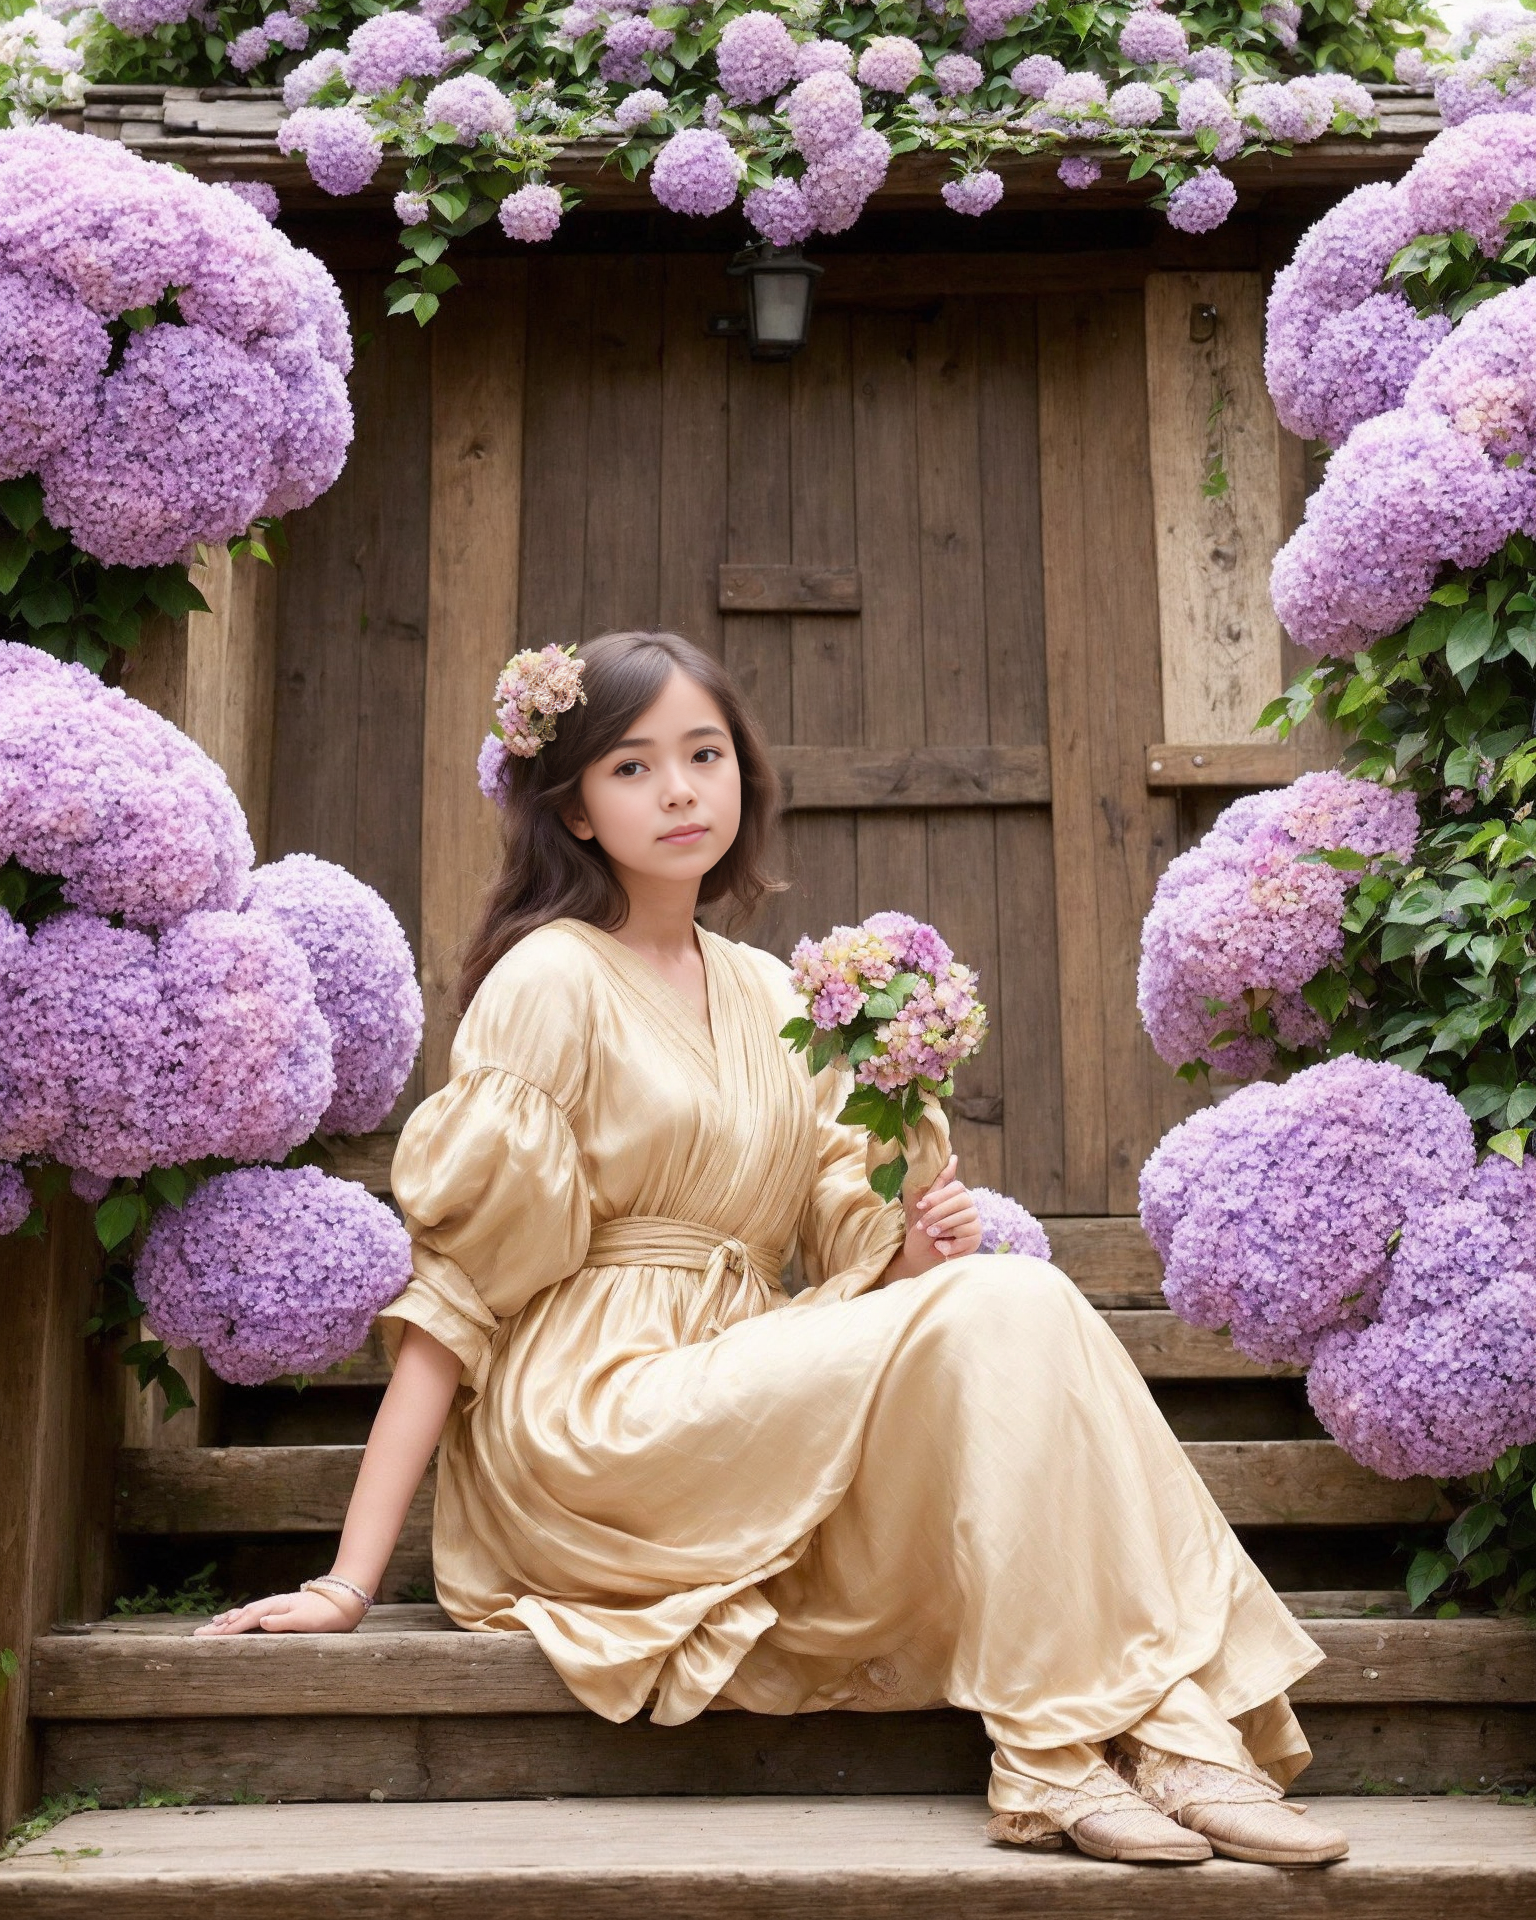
point(692, 734)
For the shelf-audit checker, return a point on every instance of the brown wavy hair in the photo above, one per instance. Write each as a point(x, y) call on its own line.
point(546, 872)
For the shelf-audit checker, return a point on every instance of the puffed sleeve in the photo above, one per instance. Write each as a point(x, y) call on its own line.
point(848, 1234)
point(488, 1172)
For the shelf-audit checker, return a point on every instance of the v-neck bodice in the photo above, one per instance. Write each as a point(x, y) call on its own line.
point(654, 987)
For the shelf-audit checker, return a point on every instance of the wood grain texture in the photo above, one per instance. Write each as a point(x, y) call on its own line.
point(123, 1677)
point(1210, 413)
point(856, 1854)
point(621, 580)
point(695, 374)
point(254, 1490)
point(557, 412)
point(1111, 839)
point(743, 588)
point(232, 677)
point(477, 461)
point(837, 778)
point(1259, 763)
point(60, 1408)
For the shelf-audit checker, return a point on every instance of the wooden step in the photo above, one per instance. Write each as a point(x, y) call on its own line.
point(906, 1858)
point(415, 1709)
point(260, 1490)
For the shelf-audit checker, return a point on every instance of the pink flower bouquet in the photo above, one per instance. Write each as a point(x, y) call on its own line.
point(891, 1001)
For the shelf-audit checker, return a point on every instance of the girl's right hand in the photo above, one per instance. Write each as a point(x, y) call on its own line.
point(322, 1610)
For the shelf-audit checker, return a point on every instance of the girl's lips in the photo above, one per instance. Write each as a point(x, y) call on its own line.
point(684, 836)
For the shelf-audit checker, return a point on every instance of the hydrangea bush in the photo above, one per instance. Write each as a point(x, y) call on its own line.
point(172, 371)
point(1338, 1220)
point(171, 1011)
point(794, 107)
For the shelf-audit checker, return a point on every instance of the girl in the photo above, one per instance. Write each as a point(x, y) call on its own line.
point(927, 1478)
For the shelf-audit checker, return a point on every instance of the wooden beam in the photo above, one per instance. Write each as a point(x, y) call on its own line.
point(253, 1490)
point(1258, 763)
point(1165, 1347)
point(119, 1676)
point(833, 778)
point(478, 343)
point(1216, 493)
point(788, 589)
point(59, 1409)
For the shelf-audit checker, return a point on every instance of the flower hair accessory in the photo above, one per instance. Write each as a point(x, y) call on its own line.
point(534, 688)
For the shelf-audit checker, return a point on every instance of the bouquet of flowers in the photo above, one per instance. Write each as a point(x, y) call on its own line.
point(890, 1000)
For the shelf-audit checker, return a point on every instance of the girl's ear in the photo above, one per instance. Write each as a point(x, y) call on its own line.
point(576, 819)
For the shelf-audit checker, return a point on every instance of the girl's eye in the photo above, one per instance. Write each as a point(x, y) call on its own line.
point(707, 754)
point(626, 768)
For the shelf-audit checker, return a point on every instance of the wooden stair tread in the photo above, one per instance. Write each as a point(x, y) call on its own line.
point(787, 1858)
point(255, 1490)
point(106, 1675)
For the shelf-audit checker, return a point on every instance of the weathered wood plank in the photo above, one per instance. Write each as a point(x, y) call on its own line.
point(1111, 840)
point(557, 409)
point(900, 1857)
point(477, 457)
point(117, 1676)
point(621, 575)
point(743, 588)
point(1216, 491)
point(1109, 1257)
point(59, 1414)
point(1165, 1347)
point(1261, 763)
point(824, 778)
point(253, 1490)
point(694, 453)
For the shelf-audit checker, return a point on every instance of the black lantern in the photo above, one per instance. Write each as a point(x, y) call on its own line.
point(780, 282)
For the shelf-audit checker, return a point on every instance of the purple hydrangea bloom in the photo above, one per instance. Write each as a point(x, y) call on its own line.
point(991, 19)
point(1035, 75)
point(341, 150)
point(1410, 67)
point(310, 75)
point(1272, 1212)
point(1151, 38)
point(1470, 176)
point(627, 45)
point(53, 354)
point(364, 981)
point(94, 787)
point(1203, 107)
point(1276, 112)
point(283, 30)
point(1214, 64)
point(835, 188)
point(15, 1199)
point(471, 105)
point(1404, 495)
point(823, 56)
point(697, 171)
point(249, 49)
point(1444, 1393)
point(1078, 171)
point(973, 193)
point(890, 63)
point(491, 764)
point(92, 1188)
point(756, 58)
point(955, 74)
point(1357, 365)
point(532, 213)
point(639, 108)
point(1007, 1228)
point(1480, 378)
point(256, 194)
point(1283, 18)
point(141, 17)
point(391, 47)
point(919, 947)
point(1201, 202)
point(412, 209)
point(780, 213)
point(1136, 105)
point(824, 113)
point(174, 446)
point(1071, 106)
point(1448, 1254)
point(437, 11)
point(1243, 913)
point(272, 1271)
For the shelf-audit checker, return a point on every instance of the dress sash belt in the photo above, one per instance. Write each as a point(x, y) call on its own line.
point(654, 1240)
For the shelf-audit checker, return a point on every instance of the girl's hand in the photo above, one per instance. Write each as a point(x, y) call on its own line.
point(322, 1610)
point(943, 1225)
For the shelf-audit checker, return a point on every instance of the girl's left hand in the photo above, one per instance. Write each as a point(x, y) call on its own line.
point(944, 1225)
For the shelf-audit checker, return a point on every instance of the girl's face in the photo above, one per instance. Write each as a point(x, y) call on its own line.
point(665, 804)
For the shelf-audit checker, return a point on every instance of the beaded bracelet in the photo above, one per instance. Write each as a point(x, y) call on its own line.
point(324, 1580)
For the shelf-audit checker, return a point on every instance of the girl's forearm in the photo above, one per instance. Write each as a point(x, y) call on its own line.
point(406, 1428)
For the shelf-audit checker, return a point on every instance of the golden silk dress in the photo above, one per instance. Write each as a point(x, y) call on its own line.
point(692, 1488)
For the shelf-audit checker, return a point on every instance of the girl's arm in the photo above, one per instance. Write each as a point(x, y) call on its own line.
point(406, 1429)
point(943, 1225)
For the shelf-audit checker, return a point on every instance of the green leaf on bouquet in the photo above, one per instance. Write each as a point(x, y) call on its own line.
point(823, 1054)
point(886, 1180)
point(869, 1107)
point(903, 987)
point(801, 1032)
point(912, 1105)
point(881, 1006)
point(861, 1049)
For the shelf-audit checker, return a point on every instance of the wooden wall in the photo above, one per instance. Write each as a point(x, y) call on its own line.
point(1005, 459)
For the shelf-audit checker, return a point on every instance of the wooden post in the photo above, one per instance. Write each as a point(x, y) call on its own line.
point(213, 676)
point(478, 344)
point(59, 1409)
